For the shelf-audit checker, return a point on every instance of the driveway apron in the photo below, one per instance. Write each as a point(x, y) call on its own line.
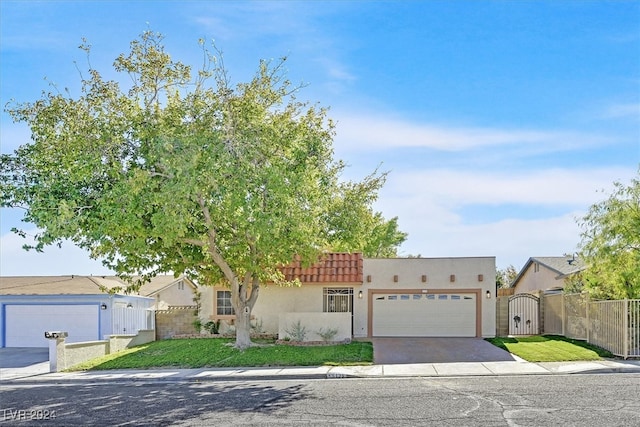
point(436, 350)
point(19, 362)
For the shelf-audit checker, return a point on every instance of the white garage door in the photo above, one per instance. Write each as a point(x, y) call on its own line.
point(424, 315)
point(25, 324)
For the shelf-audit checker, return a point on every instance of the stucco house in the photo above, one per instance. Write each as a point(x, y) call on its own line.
point(546, 274)
point(368, 297)
point(170, 292)
point(79, 305)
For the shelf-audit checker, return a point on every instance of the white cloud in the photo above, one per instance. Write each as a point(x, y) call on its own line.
point(542, 187)
point(370, 132)
point(623, 111)
point(464, 213)
point(511, 241)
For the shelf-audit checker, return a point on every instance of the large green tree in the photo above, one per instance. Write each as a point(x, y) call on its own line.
point(610, 244)
point(184, 172)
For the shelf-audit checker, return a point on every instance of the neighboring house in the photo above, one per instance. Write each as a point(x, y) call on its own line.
point(546, 274)
point(170, 292)
point(403, 297)
point(79, 305)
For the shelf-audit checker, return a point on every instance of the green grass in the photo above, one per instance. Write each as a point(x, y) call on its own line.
point(219, 352)
point(549, 348)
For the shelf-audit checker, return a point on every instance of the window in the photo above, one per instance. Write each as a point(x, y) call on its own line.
point(404, 297)
point(337, 300)
point(181, 285)
point(443, 296)
point(455, 296)
point(417, 296)
point(223, 303)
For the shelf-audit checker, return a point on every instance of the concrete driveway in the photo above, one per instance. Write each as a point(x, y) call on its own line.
point(390, 351)
point(20, 362)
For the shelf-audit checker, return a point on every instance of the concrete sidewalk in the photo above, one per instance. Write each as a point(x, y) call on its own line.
point(323, 372)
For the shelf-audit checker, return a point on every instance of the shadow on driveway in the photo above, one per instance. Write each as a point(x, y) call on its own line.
point(21, 357)
point(388, 351)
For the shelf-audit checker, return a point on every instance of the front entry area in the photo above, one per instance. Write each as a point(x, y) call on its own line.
point(437, 313)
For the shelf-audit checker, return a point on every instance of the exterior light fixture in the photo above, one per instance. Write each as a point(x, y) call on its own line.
point(129, 305)
point(360, 295)
point(488, 294)
point(103, 306)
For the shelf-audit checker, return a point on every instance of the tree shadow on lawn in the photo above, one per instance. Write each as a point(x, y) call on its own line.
point(147, 403)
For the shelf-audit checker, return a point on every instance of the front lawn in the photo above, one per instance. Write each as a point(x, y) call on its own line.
point(219, 352)
point(549, 348)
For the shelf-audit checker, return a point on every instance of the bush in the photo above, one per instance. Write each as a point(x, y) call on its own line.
point(297, 332)
point(328, 334)
point(213, 327)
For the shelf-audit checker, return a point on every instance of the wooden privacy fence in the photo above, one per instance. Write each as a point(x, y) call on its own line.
point(612, 325)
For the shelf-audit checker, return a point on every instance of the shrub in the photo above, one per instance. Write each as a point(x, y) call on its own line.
point(213, 327)
point(328, 334)
point(297, 332)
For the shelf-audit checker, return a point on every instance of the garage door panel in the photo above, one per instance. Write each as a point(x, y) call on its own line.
point(432, 315)
point(25, 324)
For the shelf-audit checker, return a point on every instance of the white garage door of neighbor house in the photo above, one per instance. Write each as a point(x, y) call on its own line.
point(25, 324)
point(424, 315)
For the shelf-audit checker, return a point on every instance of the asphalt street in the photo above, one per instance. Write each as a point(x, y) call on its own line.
point(531, 400)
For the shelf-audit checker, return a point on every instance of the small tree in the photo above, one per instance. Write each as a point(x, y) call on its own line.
point(505, 276)
point(610, 244)
point(189, 174)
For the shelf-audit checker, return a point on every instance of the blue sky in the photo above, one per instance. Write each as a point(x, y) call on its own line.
point(500, 122)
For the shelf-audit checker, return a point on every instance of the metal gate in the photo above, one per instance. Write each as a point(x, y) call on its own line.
point(129, 321)
point(338, 300)
point(524, 315)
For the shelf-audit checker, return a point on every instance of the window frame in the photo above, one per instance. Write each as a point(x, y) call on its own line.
point(224, 310)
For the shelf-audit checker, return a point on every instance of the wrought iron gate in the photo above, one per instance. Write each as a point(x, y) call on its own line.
point(524, 315)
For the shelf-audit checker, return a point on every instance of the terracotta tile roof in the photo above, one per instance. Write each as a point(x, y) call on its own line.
point(332, 268)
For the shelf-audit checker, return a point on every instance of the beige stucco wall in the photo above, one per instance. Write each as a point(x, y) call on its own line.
point(274, 300)
point(438, 271)
point(206, 303)
point(314, 324)
point(121, 342)
point(172, 296)
point(533, 280)
point(63, 356)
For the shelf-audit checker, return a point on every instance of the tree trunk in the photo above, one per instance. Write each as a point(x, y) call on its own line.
point(247, 294)
point(243, 326)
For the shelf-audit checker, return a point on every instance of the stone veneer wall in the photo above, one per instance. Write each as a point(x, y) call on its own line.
point(175, 321)
point(502, 316)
